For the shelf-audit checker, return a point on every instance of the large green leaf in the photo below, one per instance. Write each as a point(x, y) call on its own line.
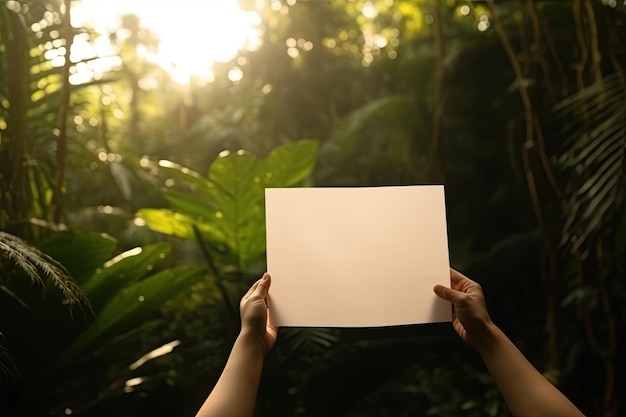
point(80, 253)
point(240, 180)
point(122, 271)
point(177, 224)
point(233, 172)
point(193, 205)
point(181, 174)
point(168, 222)
point(228, 206)
point(238, 191)
point(290, 164)
point(130, 306)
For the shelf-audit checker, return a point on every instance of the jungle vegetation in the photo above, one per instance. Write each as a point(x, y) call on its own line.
point(131, 205)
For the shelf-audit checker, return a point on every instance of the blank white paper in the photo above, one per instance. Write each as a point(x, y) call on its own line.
point(357, 257)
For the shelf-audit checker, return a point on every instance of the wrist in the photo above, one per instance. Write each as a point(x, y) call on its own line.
point(489, 339)
point(252, 339)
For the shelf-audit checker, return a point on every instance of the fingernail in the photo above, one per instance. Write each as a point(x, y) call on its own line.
point(266, 276)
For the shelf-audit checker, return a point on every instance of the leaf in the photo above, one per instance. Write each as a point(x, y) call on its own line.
point(595, 159)
point(290, 164)
point(239, 194)
point(372, 145)
point(80, 253)
point(240, 179)
point(359, 119)
point(181, 174)
point(173, 223)
point(121, 341)
point(168, 222)
point(8, 367)
point(306, 341)
point(131, 305)
point(192, 205)
point(228, 207)
point(122, 271)
point(232, 172)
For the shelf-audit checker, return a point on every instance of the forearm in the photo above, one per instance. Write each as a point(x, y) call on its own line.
point(234, 395)
point(526, 392)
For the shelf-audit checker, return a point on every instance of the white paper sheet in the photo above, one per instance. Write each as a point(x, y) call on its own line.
point(357, 257)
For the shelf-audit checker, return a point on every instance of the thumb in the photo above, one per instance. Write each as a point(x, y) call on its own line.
point(264, 286)
point(447, 294)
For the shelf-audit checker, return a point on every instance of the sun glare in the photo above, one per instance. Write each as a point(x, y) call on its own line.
point(193, 34)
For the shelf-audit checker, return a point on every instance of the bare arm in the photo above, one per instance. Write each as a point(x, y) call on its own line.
point(526, 392)
point(234, 395)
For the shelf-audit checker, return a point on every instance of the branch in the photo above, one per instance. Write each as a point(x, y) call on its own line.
point(530, 178)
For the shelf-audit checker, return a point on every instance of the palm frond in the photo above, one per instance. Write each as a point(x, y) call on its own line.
point(307, 342)
point(31, 86)
point(8, 367)
point(37, 266)
point(372, 145)
point(595, 158)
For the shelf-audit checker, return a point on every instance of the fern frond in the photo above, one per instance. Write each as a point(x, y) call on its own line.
point(595, 158)
point(37, 266)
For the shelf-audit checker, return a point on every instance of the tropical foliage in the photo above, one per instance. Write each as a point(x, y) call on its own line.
point(132, 212)
point(226, 208)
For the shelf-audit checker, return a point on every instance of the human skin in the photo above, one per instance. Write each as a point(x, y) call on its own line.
point(526, 392)
point(235, 393)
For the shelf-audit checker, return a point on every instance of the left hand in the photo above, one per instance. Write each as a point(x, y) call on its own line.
point(254, 309)
point(470, 318)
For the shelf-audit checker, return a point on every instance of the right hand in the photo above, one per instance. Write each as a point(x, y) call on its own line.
point(470, 318)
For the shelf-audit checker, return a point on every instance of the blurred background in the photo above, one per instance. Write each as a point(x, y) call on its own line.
point(137, 137)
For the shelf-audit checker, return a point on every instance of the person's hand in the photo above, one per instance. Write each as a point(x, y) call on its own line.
point(470, 318)
point(254, 309)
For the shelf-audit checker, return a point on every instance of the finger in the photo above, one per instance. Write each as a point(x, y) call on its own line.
point(251, 290)
point(458, 327)
point(456, 277)
point(459, 281)
point(254, 286)
point(263, 286)
point(448, 294)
